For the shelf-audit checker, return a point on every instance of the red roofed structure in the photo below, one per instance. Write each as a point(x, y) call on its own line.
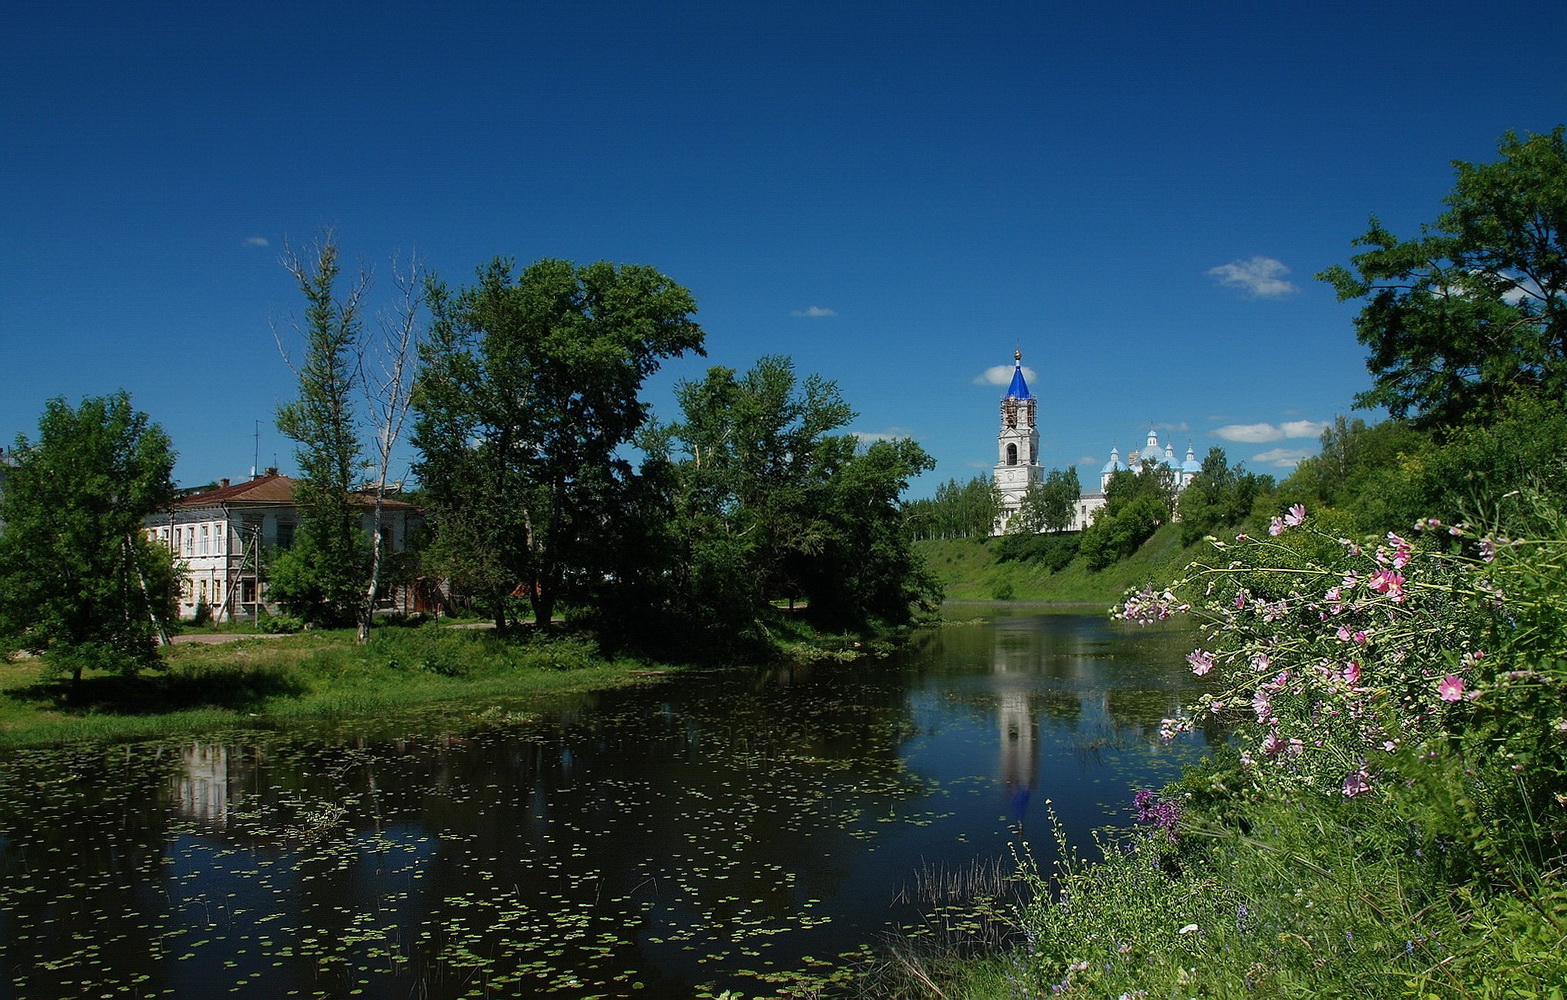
point(218, 535)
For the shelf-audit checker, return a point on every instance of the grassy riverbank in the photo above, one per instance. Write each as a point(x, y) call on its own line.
point(969, 569)
point(290, 680)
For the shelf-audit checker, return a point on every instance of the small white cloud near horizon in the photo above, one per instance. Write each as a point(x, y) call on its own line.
point(1283, 458)
point(1257, 278)
point(257, 241)
point(890, 434)
point(1001, 375)
point(814, 312)
point(1260, 433)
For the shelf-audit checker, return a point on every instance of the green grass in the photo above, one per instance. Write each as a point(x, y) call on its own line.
point(301, 679)
point(969, 570)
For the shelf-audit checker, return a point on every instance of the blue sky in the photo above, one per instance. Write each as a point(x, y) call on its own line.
point(897, 195)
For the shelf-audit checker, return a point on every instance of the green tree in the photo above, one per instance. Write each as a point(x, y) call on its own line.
point(79, 581)
point(528, 386)
point(1474, 310)
point(1048, 505)
point(1136, 503)
point(322, 577)
point(1219, 496)
point(958, 510)
point(769, 503)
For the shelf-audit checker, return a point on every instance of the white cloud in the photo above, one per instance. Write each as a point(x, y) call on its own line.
point(1001, 375)
point(1303, 428)
point(257, 241)
point(890, 434)
point(815, 312)
point(1257, 277)
point(1258, 433)
point(1283, 458)
point(1173, 427)
point(1250, 433)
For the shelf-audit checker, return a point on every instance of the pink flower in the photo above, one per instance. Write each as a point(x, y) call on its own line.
point(1352, 672)
point(1201, 661)
point(1389, 582)
point(1262, 705)
point(1451, 688)
point(1276, 526)
point(1487, 549)
point(1261, 662)
point(1240, 599)
point(1296, 516)
point(1273, 744)
point(1358, 783)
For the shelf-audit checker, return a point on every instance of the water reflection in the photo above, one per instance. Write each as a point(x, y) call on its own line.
point(743, 829)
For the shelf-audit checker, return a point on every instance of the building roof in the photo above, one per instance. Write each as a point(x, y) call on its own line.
point(272, 490)
point(1019, 387)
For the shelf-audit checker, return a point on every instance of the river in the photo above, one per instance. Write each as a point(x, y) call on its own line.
point(762, 831)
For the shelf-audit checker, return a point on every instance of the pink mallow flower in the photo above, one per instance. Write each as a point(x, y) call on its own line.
point(1451, 688)
point(1201, 661)
point(1352, 672)
point(1276, 526)
point(1358, 783)
point(1389, 582)
point(1262, 705)
point(1296, 516)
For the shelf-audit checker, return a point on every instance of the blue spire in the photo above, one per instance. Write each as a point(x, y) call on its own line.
point(1019, 388)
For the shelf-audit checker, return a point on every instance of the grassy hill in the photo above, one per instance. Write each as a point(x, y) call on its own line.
point(969, 570)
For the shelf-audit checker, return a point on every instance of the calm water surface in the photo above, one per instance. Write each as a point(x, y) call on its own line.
point(750, 830)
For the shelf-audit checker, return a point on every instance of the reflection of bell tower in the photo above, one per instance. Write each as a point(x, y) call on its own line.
point(1019, 748)
point(1017, 461)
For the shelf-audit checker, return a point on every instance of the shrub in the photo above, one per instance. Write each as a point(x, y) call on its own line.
point(1389, 818)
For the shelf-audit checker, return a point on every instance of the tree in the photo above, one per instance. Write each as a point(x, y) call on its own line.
point(1136, 504)
point(386, 367)
point(1219, 496)
point(958, 510)
point(1048, 505)
point(1475, 310)
point(79, 581)
point(528, 386)
point(769, 502)
point(322, 576)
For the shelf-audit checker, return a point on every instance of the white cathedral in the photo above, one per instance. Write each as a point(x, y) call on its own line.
point(1017, 459)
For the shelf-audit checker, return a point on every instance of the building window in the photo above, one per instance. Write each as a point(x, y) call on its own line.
point(203, 593)
point(1011, 454)
point(285, 536)
point(204, 541)
point(190, 542)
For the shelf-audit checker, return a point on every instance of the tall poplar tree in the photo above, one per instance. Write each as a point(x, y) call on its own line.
point(322, 576)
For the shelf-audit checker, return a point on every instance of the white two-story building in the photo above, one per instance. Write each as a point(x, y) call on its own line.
point(219, 537)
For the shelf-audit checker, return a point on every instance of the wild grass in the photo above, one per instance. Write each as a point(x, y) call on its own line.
point(267, 683)
point(969, 570)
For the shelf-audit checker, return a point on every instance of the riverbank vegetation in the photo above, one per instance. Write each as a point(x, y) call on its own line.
point(754, 521)
point(1387, 646)
point(319, 677)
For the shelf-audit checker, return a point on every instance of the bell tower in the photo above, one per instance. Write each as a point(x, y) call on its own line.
point(1017, 445)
